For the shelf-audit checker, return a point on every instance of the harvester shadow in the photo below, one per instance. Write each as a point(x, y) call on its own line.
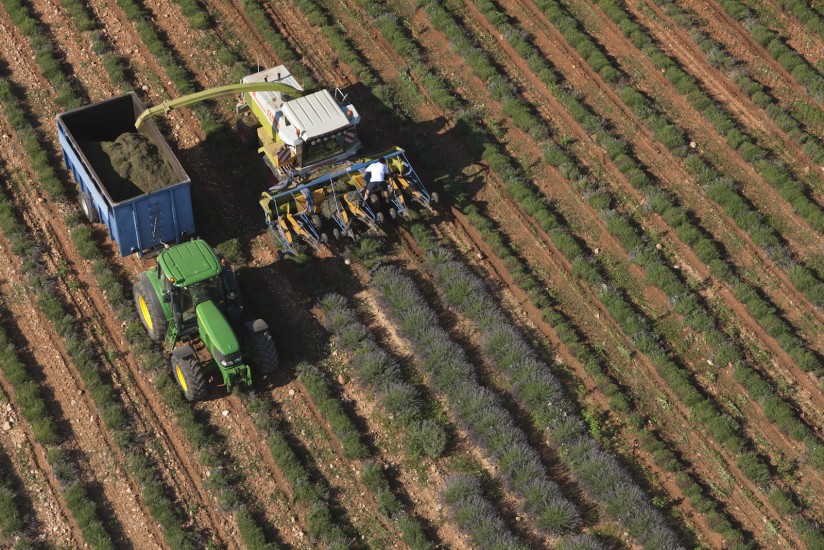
point(284, 293)
point(421, 139)
point(312, 278)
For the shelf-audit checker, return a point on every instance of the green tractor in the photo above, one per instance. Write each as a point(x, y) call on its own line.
point(192, 296)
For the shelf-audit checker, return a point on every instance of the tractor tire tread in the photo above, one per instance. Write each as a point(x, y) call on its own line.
point(265, 351)
point(143, 287)
point(184, 358)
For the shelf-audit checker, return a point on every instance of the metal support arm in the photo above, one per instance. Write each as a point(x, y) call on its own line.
point(212, 93)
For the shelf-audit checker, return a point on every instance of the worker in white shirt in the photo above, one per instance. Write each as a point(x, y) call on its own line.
point(375, 176)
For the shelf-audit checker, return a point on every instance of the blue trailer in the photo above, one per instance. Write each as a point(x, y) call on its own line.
point(138, 222)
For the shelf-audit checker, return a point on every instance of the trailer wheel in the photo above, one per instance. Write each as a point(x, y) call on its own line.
point(88, 208)
point(316, 221)
point(393, 213)
point(374, 199)
point(324, 238)
point(380, 218)
point(247, 134)
point(188, 374)
point(263, 347)
point(336, 233)
point(433, 198)
point(148, 308)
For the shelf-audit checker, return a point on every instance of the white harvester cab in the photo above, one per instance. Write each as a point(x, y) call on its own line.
point(298, 133)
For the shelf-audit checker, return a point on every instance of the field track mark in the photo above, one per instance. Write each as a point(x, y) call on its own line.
point(76, 48)
point(354, 9)
point(58, 234)
point(101, 469)
point(545, 258)
point(763, 196)
point(516, 302)
point(180, 39)
point(240, 431)
point(718, 15)
point(805, 41)
point(668, 169)
point(789, 372)
point(128, 45)
point(48, 502)
point(721, 87)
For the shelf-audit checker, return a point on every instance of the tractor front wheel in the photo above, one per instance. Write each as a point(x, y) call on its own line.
point(148, 308)
point(263, 347)
point(186, 371)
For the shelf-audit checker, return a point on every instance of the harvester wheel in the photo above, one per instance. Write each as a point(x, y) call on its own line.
point(380, 218)
point(336, 233)
point(263, 347)
point(88, 208)
point(433, 198)
point(247, 134)
point(393, 213)
point(186, 371)
point(148, 308)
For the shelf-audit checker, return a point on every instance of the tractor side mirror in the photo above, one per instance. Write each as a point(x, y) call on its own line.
point(167, 296)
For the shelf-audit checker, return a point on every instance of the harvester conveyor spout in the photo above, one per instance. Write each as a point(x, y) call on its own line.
point(212, 93)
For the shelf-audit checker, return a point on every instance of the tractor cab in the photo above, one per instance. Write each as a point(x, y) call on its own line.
point(192, 277)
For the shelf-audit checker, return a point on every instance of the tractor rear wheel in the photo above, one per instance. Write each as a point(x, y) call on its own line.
point(186, 371)
point(263, 347)
point(148, 308)
point(88, 207)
